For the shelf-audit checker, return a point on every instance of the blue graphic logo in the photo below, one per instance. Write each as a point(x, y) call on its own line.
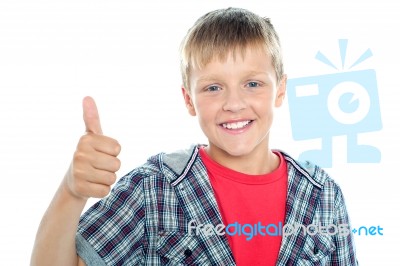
point(344, 103)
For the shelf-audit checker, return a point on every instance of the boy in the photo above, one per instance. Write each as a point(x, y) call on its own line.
point(173, 210)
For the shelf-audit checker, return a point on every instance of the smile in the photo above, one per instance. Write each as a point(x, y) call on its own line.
point(236, 125)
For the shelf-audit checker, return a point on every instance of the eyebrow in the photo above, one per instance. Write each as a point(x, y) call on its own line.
point(255, 73)
point(206, 79)
point(209, 78)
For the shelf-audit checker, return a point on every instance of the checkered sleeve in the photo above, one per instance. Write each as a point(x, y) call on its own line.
point(112, 230)
point(345, 253)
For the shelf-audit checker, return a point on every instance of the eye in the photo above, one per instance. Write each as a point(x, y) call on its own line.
point(253, 84)
point(213, 88)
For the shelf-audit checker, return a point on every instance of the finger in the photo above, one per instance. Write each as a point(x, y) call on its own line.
point(99, 143)
point(106, 162)
point(91, 116)
point(102, 177)
point(99, 191)
point(95, 190)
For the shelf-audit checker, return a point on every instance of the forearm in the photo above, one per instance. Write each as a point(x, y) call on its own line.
point(55, 239)
point(91, 174)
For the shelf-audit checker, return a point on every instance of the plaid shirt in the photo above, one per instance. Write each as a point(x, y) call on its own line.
point(144, 221)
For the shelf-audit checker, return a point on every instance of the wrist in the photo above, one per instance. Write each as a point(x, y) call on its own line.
point(69, 195)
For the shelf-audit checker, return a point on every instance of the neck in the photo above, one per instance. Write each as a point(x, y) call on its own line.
point(258, 162)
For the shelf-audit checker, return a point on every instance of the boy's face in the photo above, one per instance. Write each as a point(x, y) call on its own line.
point(234, 102)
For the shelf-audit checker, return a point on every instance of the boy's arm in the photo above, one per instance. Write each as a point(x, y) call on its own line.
point(55, 239)
point(91, 174)
point(81, 262)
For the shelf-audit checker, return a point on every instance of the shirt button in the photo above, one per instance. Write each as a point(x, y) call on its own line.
point(187, 252)
point(315, 250)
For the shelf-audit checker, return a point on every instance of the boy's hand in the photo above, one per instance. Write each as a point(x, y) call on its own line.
point(95, 161)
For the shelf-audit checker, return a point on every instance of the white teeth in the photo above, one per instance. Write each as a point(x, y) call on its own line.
point(237, 125)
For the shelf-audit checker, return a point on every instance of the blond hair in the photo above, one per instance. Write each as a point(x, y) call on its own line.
point(233, 30)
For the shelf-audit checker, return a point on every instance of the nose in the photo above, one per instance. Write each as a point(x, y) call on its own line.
point(234, 101)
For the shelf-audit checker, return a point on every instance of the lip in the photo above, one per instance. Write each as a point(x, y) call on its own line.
point(236, 120)
point(238, 130)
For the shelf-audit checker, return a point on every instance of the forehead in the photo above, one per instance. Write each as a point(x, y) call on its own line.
point(256, 57)
point(202, 57)
point(235, 64)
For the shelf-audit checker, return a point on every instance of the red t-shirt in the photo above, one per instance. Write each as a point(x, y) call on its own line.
point(256, 200)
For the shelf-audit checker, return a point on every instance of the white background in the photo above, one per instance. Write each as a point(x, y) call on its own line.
point(125, 55)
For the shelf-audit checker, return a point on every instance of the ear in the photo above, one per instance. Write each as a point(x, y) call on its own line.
point(188, 101)
point(281, 91)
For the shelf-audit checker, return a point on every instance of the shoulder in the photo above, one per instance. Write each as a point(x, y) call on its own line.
point(167, 164)
point(310, 171)
point(176, 161)
point(311, 179)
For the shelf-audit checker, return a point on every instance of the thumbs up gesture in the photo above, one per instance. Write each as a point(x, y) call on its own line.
point(92, 171)
point(91, 116)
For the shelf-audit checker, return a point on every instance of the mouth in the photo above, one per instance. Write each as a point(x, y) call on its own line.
point(236, 125)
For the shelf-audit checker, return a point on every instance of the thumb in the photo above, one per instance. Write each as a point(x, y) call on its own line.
point(91, 116)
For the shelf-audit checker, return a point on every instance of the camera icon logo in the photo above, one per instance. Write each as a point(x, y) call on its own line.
point(330, 105)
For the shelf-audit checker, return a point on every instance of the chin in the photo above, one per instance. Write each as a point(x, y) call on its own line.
point(238, 151)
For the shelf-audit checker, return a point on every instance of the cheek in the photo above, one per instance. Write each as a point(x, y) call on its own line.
point(263, 104)
point(206, 110)
point(203, 112)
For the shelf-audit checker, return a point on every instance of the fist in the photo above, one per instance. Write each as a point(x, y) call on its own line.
point(92, 171)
